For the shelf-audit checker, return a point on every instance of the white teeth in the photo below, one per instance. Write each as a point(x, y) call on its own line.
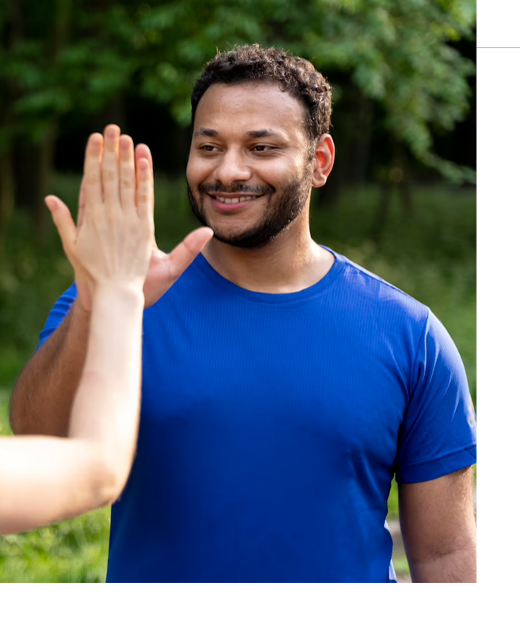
point(235, 200)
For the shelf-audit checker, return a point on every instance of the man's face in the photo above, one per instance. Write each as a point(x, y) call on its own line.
point(249, 174)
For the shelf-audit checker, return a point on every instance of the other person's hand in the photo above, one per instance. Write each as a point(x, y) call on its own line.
point(115, 198)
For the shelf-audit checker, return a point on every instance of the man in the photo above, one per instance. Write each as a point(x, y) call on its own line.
point(283, 386)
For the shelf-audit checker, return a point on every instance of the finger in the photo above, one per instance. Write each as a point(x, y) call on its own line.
point(63, 221)
point(142, 151)
point(184, 254)
point(110, 167)
point(92, 171)
point(144, 190)
point(127, 173)
point(81, 203)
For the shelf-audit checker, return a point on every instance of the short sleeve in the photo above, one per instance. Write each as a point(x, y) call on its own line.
point(438, 434)
point(58, 313)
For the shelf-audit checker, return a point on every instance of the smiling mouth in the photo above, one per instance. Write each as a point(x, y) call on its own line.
point(237, 200)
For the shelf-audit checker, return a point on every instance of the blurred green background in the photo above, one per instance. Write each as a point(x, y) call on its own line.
point(400, 200)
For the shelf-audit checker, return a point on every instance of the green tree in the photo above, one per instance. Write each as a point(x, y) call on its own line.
point(397, 52)
point(62, 56)
point(53, 58)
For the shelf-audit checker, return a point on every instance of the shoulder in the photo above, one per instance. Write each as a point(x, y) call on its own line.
point(379, 299)
point(58, 313)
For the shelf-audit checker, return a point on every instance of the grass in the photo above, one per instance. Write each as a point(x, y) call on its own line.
point(401, 566)
point(431, 257)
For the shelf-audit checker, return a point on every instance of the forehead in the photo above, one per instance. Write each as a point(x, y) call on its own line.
point(250, 106)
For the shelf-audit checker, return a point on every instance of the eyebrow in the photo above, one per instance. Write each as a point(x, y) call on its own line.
point(264, 132)
point(206, 132)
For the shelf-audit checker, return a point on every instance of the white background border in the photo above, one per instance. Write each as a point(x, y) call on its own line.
point(495, 601)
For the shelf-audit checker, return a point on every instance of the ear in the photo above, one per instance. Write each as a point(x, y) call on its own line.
point(325, 151)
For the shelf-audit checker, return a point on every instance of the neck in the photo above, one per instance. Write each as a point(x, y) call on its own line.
point(290, 263)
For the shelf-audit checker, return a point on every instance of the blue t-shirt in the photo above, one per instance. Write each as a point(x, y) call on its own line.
point(272, 425)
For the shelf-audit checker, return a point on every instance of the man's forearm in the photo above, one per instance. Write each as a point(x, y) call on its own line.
point(43, 395)
point(459, 566)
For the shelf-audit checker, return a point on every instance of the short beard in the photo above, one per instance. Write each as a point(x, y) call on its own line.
point(279, 213)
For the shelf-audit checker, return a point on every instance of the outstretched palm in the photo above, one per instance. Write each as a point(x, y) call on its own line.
point(110, 178)
point(165, 268)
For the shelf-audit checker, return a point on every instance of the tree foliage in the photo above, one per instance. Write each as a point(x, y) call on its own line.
point(61, 55)
point(398, 52)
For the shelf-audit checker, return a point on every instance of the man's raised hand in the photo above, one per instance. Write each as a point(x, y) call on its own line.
point(114, 197)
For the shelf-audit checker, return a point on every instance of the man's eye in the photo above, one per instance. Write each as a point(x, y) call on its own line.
point(207, 148)
point(264, 148)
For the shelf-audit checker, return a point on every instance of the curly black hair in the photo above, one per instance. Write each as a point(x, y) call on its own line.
point(271, 65)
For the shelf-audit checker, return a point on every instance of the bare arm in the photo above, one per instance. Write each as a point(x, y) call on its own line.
point(439, 529)
point(44, 392)
point(46, 479)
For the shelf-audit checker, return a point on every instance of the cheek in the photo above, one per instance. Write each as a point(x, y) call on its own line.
point(277, 173)
point(196, 172)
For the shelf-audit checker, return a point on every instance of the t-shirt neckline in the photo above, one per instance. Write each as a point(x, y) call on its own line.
point(202, 264)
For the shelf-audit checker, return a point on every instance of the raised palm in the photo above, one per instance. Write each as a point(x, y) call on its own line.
point(165, 268)
point(110, 178)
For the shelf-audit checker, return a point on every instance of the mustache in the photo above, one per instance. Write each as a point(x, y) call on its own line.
point(238, 188)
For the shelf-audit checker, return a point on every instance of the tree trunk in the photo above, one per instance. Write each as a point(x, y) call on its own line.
point(362, 139)
point(44, 156)
point(395, 177)
point(405, 184)
point(383, 210)
point(405, 189)
point(13, 33)
point(6, 193)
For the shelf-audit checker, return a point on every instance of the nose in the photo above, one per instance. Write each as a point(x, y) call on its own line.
point(232, 168)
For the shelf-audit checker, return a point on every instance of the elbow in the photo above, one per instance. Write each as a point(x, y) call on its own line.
point(112, 493)
point(109, 481)
point(108, 488)
point(106, 492)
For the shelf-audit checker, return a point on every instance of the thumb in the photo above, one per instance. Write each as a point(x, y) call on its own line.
point(197, 239)
point(62, 220)
point(181, 256)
